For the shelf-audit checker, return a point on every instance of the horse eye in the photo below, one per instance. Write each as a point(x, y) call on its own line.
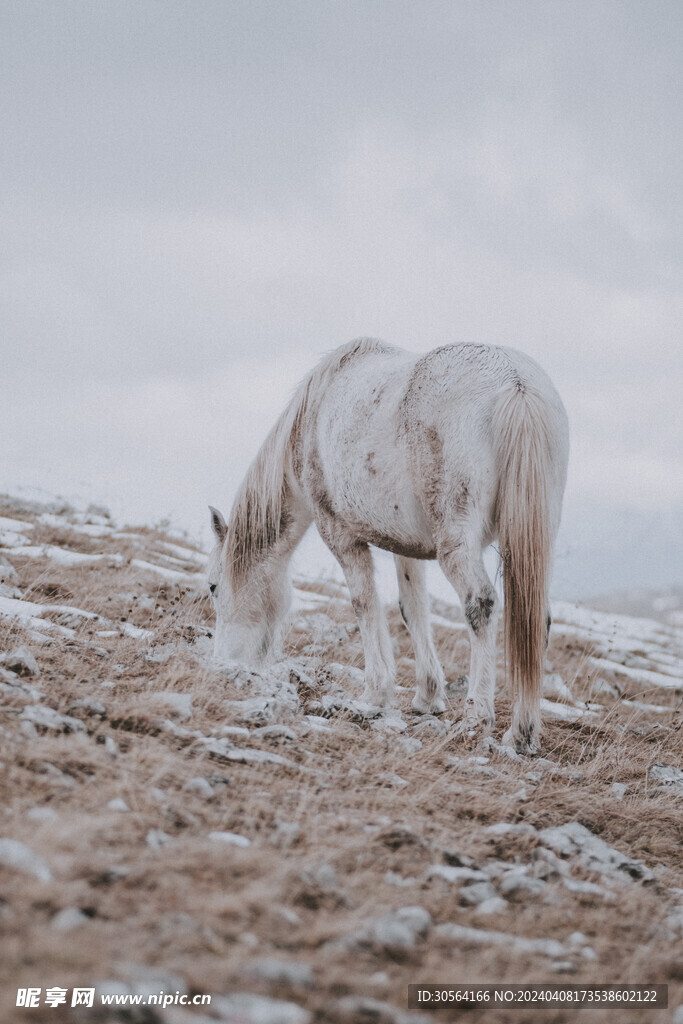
point(212, 588)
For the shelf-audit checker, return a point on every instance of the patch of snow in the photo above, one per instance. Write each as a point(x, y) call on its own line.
point(66, 557)
point(173, 575)
point(566, 711)
point(8, 539)
point(15, 525)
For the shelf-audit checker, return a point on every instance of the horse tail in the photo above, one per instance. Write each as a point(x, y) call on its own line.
point(524, 426)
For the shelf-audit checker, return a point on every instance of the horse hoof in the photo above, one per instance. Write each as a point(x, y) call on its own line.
point(519, 744)
point(379, 699)
point(437, 706)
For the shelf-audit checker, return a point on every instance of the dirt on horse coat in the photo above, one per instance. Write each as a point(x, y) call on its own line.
point(430, 456)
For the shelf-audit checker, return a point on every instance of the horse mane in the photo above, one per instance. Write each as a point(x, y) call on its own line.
point(260, 513)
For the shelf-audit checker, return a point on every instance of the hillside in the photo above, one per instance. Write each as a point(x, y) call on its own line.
point(267, 839)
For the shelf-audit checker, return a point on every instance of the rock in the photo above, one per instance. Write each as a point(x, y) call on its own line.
point(285, 834)
point(21, 661)
point(254, 710)
point(492, 746)
point(456, 875)
point(181, 703)
point(619, 789)
point(448, 933)
point(156, 838)
point(41, 814)
point(274, 970)
point(68, 919)
point(11, 684)
point(494, 905)
point(592, 853)
point(667, 775)
point(589, 890)
point(508, 828)
point(110, 746)
point(477, 892)
point(395, 933)
point(231, 838)
point(246, 1008)
point(48, 718)
point(429, 727)
point(234, 732)
point(160, 654)
point(19, 857)
point(89, 705)
point(364, 1010)
point(222, 748)
point(518, 885)
point(118, 804)
point(407, 744)
point(200, 786)
point(275, 732)
point(319, 887)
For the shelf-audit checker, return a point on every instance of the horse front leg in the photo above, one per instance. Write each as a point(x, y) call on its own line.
point(413, 602)
point(380, 669)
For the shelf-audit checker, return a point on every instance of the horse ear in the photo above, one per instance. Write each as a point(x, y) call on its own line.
point(218, 524)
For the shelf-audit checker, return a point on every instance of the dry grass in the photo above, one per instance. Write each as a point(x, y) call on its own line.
point(204, 910)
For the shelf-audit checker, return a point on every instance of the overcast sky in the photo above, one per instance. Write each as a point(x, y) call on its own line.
point(198, 199)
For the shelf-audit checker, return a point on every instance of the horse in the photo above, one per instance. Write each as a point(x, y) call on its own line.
point(431, 456)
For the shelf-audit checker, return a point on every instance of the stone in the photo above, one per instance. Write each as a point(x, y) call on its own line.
point(666, 775)
point(68, 919)
point(365, 1010)
point(41, 814)
point(118, 804)
point(508, 828)
point(247, 1008)
point(518, 885)
point(89, 705)
point(592, 853)
point(273, 970)
point(456, 875)
point(156, 838)
point(231, 838)
point(397, 932)
point(448, 933)
point(619, 789)
point(200, 786)
point(21, 661)
point(49, 718)
point(160, 654)
point(275, 732)
point(180, 703)
point(477, 892)
point(407, 744)
point(285, 834)
point(19, 857)
point(494, 905)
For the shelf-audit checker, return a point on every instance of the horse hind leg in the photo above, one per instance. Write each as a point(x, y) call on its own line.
point(465, 570)
point(414, 605)
point(380, 669)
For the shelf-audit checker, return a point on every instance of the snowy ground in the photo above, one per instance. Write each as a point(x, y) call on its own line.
point(270, 840)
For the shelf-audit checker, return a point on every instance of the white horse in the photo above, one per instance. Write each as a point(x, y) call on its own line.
point(429, 456)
